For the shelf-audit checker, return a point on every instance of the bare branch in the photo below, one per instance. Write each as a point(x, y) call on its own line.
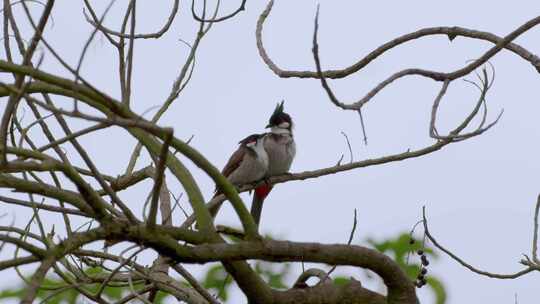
point(463, 263)
point(19, 80)
point(18, 262)
point(79, 133)
point(42, 206)
point(309, 273)
point(193, 282)
point(160, 175)
point(351, 236)
point(132, 295)
point(434, 109)
point(242, 7)
point(351, 158)
point(535, 232)
point(37, 278)
point(447, 31)
point(28, 167)
point(120, 266)
point(179, 84)
point(131, 51)
point(95, 22)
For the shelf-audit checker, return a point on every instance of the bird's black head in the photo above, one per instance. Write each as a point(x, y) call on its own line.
point(280, 119)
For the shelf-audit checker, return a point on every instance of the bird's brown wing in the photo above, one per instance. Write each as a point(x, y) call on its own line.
point(233, 163)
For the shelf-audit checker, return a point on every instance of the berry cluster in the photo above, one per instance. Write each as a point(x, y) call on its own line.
point(421, 278)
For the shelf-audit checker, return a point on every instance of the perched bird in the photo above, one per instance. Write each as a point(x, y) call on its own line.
point(248, 164)
point(281, 149)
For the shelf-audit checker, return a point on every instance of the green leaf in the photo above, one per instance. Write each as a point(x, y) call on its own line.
point(114, 293)
point(217, 279)
point(12, 293)
point(341, 281)
point(274, 276)
point(438, 288)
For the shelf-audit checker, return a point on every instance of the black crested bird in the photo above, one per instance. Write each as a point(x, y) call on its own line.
point(281, 149)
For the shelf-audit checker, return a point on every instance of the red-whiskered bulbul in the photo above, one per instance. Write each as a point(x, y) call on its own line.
point(281, 149)
point(248, 164)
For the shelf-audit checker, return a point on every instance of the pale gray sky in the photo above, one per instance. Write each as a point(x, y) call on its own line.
point(479, 194)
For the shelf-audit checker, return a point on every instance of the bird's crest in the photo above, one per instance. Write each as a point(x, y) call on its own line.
point(277, 111)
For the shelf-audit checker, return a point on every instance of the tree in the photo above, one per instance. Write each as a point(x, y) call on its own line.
point(36, 165)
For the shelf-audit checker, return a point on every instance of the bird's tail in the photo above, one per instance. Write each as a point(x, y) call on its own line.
point(259, 196)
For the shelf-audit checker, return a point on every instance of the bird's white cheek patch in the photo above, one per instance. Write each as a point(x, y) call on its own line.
point(284, 125)
point(278, 130)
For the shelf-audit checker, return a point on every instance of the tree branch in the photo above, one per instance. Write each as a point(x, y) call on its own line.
point(463, 263)
point(451, 32)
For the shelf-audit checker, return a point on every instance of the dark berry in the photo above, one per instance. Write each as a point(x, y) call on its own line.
point(411, 241)
point(423, 271)
point(425, 262)
point(420, 277)
point(420, 252)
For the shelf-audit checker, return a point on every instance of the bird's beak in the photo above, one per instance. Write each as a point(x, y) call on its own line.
point(268, 126)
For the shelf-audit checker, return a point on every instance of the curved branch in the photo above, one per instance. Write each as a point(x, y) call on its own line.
point(438, 76)
point(18, 262)
point(401, 288)
point(19, 243)
point(70, 197)
point(465, 264)
point(93, 200)
point(310, 273)
point(37, 279)
point(106, 105)
point(13, 201)
point(451, 32)
point(13, 100)
point(242, 7)
point(178, 86)
point(95, 22)
point(351, 292)
point(79, 133)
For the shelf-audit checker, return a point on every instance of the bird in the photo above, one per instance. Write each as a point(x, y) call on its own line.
point(280, 146)
point(248, 164)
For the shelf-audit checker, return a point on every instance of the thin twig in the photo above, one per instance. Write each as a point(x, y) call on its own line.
point(194, 283)
point(131, 50)
point(351, 236)
point(242, 7)
point(390, 45)
point(160, 175)
point(463, 263)
point(535, 232)
point(154, 35)
point(363, 125)
point(19, 79)
point(122, 264)
point(351, 158)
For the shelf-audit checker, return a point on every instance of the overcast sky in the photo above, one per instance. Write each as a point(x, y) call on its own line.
point(479, 194)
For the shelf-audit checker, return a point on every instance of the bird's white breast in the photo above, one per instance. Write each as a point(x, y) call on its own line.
point(281, 150)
